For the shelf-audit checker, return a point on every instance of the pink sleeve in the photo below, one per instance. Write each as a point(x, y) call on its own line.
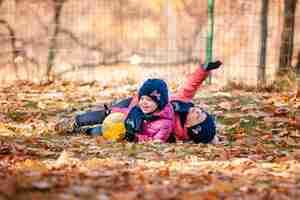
point(134, 102)
point(190, 87)
point(143, 138)
point(122, 110)
point(162, 134)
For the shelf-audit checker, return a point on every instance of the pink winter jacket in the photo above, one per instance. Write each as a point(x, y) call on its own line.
point(186, 94)
point(160, 129)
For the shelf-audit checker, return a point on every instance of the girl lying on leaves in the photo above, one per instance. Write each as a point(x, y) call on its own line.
point(152, 116)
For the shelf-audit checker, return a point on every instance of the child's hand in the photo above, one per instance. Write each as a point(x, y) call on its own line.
point(212, 65)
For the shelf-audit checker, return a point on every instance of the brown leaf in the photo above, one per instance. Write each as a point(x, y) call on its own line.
point(295, 134)
point(5, 148)
point(259, 148)
point(296, 155)
point(8, 186)
point(100, 140)
point(226, 105)
point(129, 195)
point(297, 121)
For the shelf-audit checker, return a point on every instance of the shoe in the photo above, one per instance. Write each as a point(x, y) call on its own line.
point(66, 126)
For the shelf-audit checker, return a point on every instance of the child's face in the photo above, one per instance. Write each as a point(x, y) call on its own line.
point(195, 116)
point(147, 104)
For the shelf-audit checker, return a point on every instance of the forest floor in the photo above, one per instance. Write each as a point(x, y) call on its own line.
point(258, 157)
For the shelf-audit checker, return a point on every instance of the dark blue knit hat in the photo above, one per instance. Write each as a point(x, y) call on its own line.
point(157, 90)
point(203, 132)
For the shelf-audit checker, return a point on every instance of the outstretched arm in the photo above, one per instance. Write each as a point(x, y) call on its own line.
point(195, 80)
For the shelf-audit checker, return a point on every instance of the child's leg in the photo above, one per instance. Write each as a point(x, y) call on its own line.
point(123, 103)
point(76, 124)
point(91, 118)
point(95, 131)
point(97, 117)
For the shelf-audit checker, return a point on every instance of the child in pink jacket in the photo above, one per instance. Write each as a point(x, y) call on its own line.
point(152, 116)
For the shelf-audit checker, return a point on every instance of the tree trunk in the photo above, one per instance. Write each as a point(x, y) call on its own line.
point(12, 37)
point(287, 38)
point(298, 75)
point(53, 46)
point(264, 38)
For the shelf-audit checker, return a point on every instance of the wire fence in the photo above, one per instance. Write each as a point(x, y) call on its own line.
point(127, 39)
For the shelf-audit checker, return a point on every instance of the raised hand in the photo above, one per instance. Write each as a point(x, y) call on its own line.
point(212, 65)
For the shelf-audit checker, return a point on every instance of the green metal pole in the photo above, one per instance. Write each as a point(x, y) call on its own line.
point(210, 34)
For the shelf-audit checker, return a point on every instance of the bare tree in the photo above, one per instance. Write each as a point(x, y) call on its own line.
point(264, 37)
point(58, 5)
point(298, 63)
point(287, 38)
point(297, 67)
point(12, 37)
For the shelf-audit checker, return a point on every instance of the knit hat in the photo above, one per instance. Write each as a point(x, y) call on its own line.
point(203, 132)
point(157, 90)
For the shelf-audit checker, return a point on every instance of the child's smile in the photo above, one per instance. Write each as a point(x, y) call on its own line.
point(147, 104)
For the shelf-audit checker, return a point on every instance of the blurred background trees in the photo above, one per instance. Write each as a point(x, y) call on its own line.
point(81, 40)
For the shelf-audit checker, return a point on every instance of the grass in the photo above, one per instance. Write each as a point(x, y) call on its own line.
point(248, 123)
point(31, 104)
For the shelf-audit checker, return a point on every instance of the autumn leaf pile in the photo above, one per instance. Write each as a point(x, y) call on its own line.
point(258, 156)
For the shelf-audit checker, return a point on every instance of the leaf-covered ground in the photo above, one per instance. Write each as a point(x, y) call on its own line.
point(258, 157)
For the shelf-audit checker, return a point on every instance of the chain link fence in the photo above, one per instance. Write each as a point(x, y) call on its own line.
point(121, 40)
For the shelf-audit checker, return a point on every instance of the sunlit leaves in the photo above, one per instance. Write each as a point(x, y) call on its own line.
point(259, 149)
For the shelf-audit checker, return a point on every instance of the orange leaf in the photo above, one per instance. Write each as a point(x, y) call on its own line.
point(267, 136)
point(164, 172)
point(297, 121)
point(259, 148)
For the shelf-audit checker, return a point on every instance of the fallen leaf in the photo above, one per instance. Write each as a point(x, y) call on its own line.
point(4, 131)
point(295, 133)
point(281, 111)
point(226, 105)
point(8, 187)
point(297, 121)
point(64, 159)
point(41, 185)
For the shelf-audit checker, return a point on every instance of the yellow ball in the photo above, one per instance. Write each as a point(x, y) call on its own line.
point(113, 127)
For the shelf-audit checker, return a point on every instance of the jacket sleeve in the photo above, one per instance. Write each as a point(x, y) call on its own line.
point(164, 132)
point(161, 135)
point(143, 138)
point(125, 109)
point(190, 87)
